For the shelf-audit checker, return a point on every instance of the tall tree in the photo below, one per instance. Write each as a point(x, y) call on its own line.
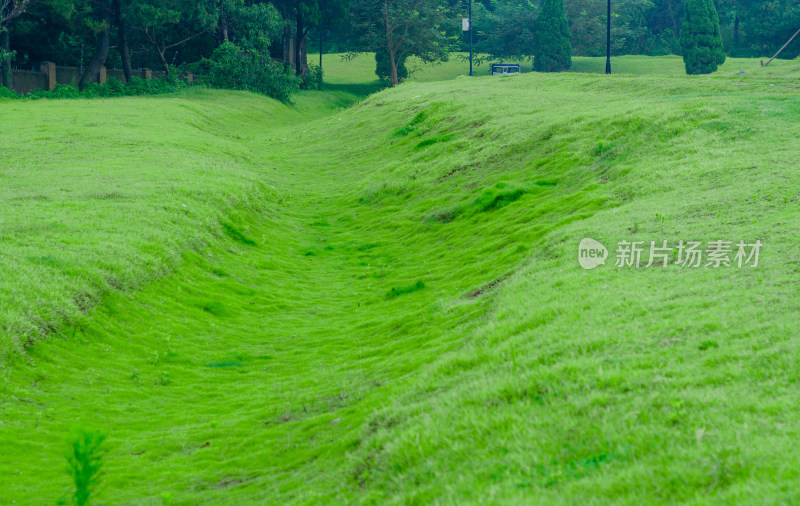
point(304, 15)
point(250, 25)
point(169, 24)
point(507, 31)
point(404, 28)
point(122, 40)
point(9, 9)
point(99, 22)
point(701, 40)
point(553, 50)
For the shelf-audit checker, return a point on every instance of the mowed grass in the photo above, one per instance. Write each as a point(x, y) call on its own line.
point(105, 195)
point(395, 313)
point(344, 72)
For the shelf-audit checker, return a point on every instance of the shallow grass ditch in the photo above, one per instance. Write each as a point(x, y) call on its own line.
point(261, 303)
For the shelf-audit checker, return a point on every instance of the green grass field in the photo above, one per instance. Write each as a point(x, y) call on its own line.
point(379, 301)
point(343, 72)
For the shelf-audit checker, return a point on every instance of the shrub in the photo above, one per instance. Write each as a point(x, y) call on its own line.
point(383, 67)
point(137, 86)
point(553, 50)
point(6, 93)
point(234, 68)
point(115, 87)
point(112, 88)
point(312, 80)
point(701, 39)
point(65, 91)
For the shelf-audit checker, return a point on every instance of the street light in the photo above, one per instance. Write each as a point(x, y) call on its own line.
point(470, 38)
point(608, 39)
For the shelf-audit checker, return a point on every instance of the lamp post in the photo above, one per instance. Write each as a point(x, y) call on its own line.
point(608, 39)
point(470, 38)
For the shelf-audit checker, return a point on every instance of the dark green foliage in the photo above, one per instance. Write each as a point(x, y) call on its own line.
point(6, 93)
point(236, 235)
point(412, 125)
point(553, 50)
point(227, 363)
point(403, 290)
point(403, 28)
point(433, 140)
point(491, 199)
point(445, 215)
point(700, 39)
point(112, 88)
point(497, 197)
point(506, 31)
point(383, 67)
point(312, 79)
point(84, 460)
point(234, 68)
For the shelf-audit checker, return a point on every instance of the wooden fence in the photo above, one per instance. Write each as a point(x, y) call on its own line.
point(49, 75)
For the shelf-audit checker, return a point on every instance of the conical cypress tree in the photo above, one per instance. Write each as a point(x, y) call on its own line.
point(553, 51)
point(701, 39)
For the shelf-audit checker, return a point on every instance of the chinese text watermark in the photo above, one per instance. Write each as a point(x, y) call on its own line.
point(712, 254)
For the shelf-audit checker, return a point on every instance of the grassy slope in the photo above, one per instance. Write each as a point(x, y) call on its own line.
point(318, 368)
point(77, 224)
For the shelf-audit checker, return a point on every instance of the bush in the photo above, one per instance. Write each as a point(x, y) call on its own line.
point(115, 87)
point(701, 39)
point(383, 66)
point(65, 91)
point(112, 88)
point(312, 80)
point(231, 67)
point(6, 93)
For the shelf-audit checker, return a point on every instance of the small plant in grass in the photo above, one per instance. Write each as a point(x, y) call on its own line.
point(85, 460)
point(163, 379)
point(404, 290)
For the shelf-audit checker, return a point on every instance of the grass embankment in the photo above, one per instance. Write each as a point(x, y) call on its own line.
point(105, 195)
point(396, 314)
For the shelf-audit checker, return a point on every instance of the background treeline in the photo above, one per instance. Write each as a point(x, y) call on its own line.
point(222, 35)
point(750, 28)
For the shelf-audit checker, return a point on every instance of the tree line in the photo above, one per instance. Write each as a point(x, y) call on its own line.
point(166, 34)
point(749, 28)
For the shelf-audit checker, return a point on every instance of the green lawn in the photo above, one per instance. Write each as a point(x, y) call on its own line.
point(361, 69)
point(382, 303)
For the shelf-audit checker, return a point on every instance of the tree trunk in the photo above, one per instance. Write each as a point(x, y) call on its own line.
point(124, 51)
point(222, 28)
point(287, 40)
point(672, 17)
point(163, 56)
point(302, 51)
point(393, 65)
point(5, 43)
point(100, 56)
point(298, 68)
point(736, 31)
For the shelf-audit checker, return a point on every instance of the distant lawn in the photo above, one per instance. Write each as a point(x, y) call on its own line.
point(361, 69)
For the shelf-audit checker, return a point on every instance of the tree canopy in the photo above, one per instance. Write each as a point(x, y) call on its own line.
point(553, 52)
point(700, 38)
point(162, 34)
